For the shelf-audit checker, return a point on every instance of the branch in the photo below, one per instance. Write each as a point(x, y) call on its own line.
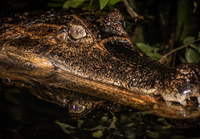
point(132, 12)
point(174, 50)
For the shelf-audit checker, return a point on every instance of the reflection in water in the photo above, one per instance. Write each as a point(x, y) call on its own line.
point(34, 118)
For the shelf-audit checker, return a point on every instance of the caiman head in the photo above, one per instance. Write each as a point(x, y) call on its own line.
point(84, 53)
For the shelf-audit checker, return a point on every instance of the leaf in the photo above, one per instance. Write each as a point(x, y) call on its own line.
point(68, 129)
point(196, 47)
point(144, 47)
point(97, 134)
point(188, 40)
point(80, 122)
point(99, 127)
point(145, 113)
point(199, 35)
point(113, 2)
point(73, 3)
point(103, 3)
point(155, 56)
point(130, 124)
point(192, 56)
point(149, 50)
point(64, 125)
point(130, 134)
point(112, 125)
point(104, 118)
point(160, 119)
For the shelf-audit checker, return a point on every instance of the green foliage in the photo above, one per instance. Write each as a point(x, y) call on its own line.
point(149, 50)
point(113, 2)
point(68, 129)
point(112, 125)
point(124, 125)
point(97, 131)
point(65, 125)
point(192, 53)
point(188, 40)
point(186, 26)
point(80, 122)
point(99, 127)
point(103, 3)
point(73, 3)
point(89, 4)
point(97, 134)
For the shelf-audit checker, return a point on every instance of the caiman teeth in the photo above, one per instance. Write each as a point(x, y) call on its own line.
point(169, 103)
point(198, 98)
point(184, 103)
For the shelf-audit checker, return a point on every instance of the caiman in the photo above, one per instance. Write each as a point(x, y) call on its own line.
point(82, 61)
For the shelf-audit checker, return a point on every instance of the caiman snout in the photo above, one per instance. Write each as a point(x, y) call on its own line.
point(186, 81)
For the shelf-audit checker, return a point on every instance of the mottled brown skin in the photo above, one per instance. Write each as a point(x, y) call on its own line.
point(81, 61)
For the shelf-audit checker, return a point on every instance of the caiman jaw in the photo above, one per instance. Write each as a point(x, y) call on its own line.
point(189, 97)
point(184, 86)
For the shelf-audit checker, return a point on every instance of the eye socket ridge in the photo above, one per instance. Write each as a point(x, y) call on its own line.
point(77, 31)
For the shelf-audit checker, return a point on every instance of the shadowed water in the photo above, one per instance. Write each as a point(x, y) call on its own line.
point(34, 118)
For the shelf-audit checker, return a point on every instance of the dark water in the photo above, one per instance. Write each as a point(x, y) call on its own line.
point(34, 118)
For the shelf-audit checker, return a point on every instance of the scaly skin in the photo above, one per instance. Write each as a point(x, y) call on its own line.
point(81, 61)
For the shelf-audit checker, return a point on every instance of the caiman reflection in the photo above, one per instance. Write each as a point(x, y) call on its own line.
point(81, 61)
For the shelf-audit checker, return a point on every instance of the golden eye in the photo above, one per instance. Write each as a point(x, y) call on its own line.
point(77, 31)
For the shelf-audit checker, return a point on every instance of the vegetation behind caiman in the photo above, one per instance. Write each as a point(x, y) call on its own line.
point(81, 61)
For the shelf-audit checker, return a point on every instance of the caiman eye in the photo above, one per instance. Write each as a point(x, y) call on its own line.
point(75, 107)
point(77, 31)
